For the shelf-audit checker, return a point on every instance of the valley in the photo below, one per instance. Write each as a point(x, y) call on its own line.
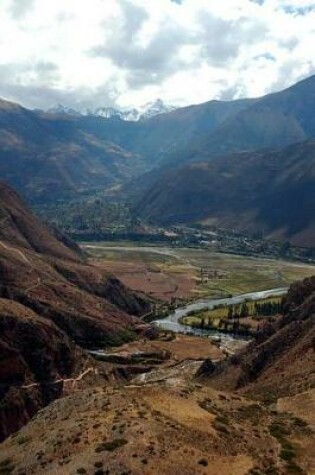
point(190, 415)
point(181, 274)
point(157, 298)
point(221, 164)
point(112, 219)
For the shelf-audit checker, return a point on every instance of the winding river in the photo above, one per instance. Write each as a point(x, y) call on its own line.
point(171, 322)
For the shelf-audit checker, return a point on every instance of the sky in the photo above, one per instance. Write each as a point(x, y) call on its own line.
point(124, 53)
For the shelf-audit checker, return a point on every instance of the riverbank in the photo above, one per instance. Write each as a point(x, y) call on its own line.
point(172, 321)
point(244, 319)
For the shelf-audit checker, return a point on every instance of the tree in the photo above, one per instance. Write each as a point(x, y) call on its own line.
point(244, 310)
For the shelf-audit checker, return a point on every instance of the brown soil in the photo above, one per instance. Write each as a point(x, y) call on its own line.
point(163, 283)
point(182, 348)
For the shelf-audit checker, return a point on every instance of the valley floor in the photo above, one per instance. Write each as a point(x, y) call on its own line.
point(169, 273)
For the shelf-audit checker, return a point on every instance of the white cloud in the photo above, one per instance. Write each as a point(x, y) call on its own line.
point(126, 52)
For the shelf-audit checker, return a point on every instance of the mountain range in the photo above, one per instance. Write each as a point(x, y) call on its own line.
point(146, 111)
point(50, 156)
point(246, 165)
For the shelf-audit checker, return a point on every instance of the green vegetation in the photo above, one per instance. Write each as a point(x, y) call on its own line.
point(117, 339)
point(91, 216)
point(221, 424)
point(96, 217)
point(288, 451)
point(252, 412)
point(23, 439)
point(111, 446)
point(244, 318)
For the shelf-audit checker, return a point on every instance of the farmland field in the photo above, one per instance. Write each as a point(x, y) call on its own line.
point(189, 273)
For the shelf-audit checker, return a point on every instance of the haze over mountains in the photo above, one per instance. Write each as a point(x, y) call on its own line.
point(47, 156)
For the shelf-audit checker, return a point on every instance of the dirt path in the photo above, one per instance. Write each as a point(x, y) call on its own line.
point(17, 251)
point(64, 380)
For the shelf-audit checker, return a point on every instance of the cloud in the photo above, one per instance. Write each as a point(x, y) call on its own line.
point(127, 52)
point(144, 60)
point(19, 8)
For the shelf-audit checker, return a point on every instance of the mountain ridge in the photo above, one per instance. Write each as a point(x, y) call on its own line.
point(144, 112)
point(270, 192)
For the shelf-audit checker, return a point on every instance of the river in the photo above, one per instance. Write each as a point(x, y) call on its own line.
point(171, 322)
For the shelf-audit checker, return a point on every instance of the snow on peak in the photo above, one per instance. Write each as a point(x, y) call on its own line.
point(144, 112)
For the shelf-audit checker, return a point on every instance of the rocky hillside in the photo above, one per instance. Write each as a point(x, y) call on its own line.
point(35, 357)
point(271, 192)
point(281, 362)
point(166, 422)
point(50, 302)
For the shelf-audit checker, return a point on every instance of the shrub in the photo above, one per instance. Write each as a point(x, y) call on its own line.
point(112, 445)
point(23, 439)
point(6, 466)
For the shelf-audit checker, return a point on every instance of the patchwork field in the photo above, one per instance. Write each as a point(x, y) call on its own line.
point(186, 273)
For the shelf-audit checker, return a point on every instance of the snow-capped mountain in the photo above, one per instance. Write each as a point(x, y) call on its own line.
point(154, 108)
point(109, 112)
point(142, 113)
point(64, 110)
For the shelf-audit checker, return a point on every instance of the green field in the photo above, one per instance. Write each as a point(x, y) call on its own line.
point(214, 317)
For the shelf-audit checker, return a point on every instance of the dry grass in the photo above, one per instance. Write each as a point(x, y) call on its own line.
point(175, 427)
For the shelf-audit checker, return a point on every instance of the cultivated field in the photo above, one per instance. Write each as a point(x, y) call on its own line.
point(185, 273)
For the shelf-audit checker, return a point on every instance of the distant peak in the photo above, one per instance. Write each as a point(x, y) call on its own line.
point(148, 110)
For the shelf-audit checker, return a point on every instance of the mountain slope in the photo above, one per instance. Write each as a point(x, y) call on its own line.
point(272, 192)
point(169, 422)
point(281, 362)
point(275, 120)
point(51, 156)
point(34, 353)
point(47, 157)
point(40, 270)
point(50, 302)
